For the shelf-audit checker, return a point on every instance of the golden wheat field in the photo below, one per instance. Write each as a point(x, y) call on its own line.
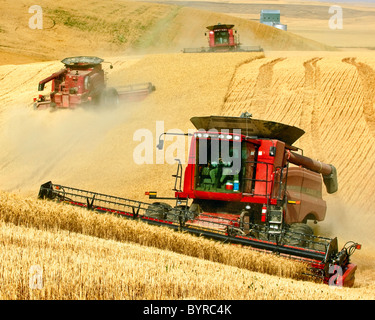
point(325, 91)
point(94, 256)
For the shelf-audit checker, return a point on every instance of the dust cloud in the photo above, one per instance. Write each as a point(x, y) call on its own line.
point(348, 223)
point(38, 145)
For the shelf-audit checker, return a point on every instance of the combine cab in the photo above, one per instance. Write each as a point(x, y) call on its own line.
point(245, 183)
point(82, 82)
point(223, 38)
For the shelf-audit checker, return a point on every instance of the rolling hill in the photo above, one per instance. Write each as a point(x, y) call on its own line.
point(327, 93)
point(115, 27)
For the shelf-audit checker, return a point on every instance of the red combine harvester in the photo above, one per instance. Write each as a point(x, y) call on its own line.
point(223, 38)
point(244, 184)
point(82, 82)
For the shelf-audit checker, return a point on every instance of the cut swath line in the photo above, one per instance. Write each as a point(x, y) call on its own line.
point(243, 97)
point(235, 87)
point(367, 76)
point(311, 103)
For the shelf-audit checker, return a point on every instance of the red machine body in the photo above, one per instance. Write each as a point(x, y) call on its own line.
point(223, 38)
point(261, 185)
point(245, 183)
point(83, 82)
point(264, 199)
point(262, 178)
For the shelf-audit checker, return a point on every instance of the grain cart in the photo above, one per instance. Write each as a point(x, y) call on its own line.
point(223, 38)
point(245, 183)
point(82, 82)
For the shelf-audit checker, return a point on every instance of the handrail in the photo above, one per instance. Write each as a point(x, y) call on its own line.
point(266, 181)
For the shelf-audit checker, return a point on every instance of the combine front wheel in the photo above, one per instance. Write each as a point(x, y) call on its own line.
point(109, 98)
point(299, 234)
point(158, 210)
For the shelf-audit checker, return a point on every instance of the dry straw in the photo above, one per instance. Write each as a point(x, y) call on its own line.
point(131, 260)
point(76, 266)
point(47, 215)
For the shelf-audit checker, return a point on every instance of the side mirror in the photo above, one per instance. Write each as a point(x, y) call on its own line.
point(41, 87)
point(160, 144)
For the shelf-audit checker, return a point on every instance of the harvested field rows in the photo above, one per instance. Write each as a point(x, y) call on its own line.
point(319, 95)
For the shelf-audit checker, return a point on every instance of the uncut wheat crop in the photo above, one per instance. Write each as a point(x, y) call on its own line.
point(84, 255)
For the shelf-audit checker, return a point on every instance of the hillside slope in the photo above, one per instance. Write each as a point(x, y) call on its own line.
point(102, 28)
point(329, 95)
point(95, 149)
point(87, 145)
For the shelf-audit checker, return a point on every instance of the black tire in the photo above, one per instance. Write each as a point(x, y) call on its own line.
point(195, 209)
point(158, 210)
point(109, 98)
point(260, 233)
point(299, 234)
point(175, 213)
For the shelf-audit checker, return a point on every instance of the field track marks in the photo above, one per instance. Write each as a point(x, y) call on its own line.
point(263, 86)
point(232, 92)
point(311, 103)
point(367, 76)
point(243, 97)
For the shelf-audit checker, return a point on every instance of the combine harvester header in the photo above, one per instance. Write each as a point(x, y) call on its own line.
point(240, 186)
point(223, 38)
point(82, 82)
